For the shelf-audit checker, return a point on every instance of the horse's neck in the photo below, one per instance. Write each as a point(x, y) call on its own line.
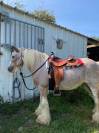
point(34, 59)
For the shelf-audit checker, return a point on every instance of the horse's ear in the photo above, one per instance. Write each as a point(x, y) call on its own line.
point(1, 53)
point(13, 48)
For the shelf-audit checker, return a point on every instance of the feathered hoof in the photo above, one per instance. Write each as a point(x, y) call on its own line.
point(37, 112)
point(41, 119)
point(95, 117)
point(94, 110)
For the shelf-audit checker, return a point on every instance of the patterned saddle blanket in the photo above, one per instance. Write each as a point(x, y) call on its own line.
point(56, 70)
point(72, 62)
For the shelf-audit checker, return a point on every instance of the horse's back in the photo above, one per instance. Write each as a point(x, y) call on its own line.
point(74, 77)
point(87, 61)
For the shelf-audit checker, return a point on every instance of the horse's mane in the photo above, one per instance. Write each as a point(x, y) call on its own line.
point(37, 53)
point(34, 57)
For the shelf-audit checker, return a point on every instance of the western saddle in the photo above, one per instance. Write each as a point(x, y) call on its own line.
point(56, 70)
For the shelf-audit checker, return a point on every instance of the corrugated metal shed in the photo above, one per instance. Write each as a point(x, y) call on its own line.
point(72, 41)
point(24, 30)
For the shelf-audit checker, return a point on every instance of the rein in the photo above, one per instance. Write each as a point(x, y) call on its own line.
point(27, 76)
point(21, 74)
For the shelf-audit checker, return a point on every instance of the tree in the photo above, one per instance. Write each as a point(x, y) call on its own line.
point(95, 37)
point(44, 15)
point(19, 5)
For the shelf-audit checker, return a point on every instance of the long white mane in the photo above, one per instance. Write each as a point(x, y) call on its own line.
point(33, 58)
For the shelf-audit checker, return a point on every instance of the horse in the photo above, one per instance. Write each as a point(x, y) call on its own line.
point(73, 78)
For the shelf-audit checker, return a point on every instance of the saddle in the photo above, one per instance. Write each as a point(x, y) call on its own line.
point(72, 62)
point(56, 69)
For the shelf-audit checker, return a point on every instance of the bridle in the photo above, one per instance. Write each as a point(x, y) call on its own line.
point(27, 76)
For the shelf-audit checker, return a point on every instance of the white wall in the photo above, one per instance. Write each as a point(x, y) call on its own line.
point(7, 78)
point(74, 44)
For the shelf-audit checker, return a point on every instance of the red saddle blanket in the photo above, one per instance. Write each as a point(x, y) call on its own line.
point(66, 62)
point(56, 66)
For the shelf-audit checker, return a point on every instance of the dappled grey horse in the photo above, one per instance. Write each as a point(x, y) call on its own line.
point(32, 59)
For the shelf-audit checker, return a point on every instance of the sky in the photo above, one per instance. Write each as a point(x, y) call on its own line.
point(78, 15)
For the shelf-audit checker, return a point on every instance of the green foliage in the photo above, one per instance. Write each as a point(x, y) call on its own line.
point(44, 15)
point(19, 5)
point(8, 108)
point(96, 37)
point(1, 100)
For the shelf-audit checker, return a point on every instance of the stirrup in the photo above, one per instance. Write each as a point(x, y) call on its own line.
point(56, 93)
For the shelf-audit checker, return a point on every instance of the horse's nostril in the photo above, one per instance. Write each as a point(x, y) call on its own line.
point(10, 69)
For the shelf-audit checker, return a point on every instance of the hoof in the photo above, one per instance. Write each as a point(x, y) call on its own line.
point(95, 117)
point(41, 119)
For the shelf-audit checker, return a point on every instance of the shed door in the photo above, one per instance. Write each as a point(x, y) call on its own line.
point(21, 34)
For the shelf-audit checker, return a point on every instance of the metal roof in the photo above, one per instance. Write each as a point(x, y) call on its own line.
point(52, 24)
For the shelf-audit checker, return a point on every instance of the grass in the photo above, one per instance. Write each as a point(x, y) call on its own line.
point(71, 113)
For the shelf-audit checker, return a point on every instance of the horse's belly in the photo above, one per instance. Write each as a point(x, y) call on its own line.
point(72, 79)
point(67, 86)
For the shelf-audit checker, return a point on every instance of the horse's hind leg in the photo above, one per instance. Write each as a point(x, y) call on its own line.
point(95, 92)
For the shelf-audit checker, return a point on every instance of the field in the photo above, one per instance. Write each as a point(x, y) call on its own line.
point(71, 113)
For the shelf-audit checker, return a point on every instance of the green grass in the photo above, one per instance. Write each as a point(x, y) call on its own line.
point(71, 113)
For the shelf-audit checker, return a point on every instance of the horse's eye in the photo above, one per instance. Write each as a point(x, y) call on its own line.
point(12, 57)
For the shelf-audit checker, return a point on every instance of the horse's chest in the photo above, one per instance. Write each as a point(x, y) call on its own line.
point(41, 77)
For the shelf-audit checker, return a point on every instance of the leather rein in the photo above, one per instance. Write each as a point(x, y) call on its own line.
point(27, 76)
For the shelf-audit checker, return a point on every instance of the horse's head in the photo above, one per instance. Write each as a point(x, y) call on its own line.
point(16, 60)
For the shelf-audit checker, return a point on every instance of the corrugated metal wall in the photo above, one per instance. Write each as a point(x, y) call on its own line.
point(10, 89)
point(74, 44)
point(21, 34)
point(6, 78)
point(24, 31)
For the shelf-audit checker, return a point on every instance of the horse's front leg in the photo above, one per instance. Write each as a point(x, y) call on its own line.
point(43, 111)
point(39, 108)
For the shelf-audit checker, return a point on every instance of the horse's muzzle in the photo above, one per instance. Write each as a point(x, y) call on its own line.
point(10, 68)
